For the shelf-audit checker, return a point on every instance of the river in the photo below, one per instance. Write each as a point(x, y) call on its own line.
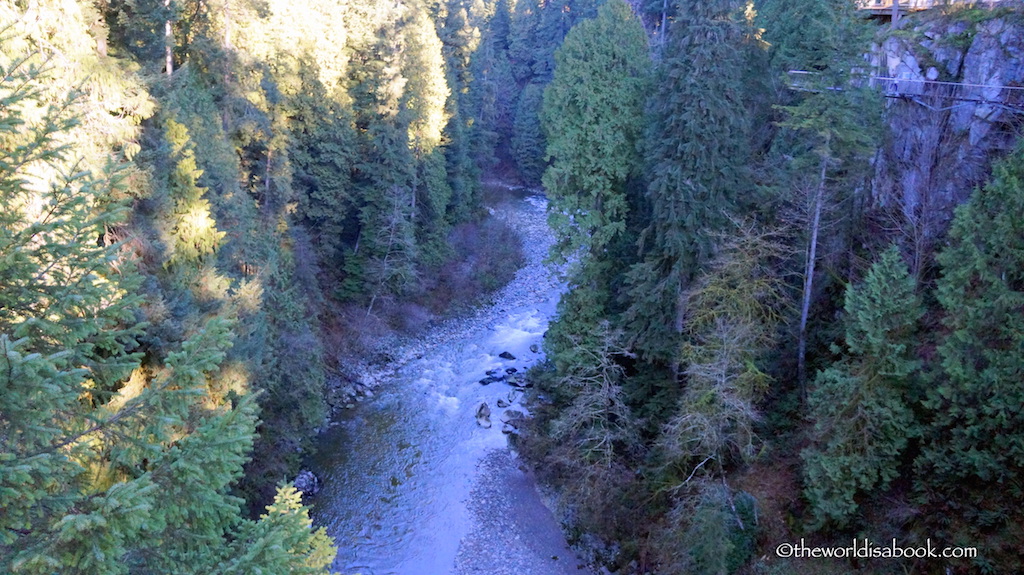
point(411, 483)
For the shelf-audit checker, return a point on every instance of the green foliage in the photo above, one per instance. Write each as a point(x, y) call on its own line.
point(102, 472)
point(698, 149)
point(975, 433)
point(861, 405)
point(826, 38)
point(193, 233)
point(593, 111)
point(593, 115)
point(733, 313)
point(712, 532)
point(528, 135)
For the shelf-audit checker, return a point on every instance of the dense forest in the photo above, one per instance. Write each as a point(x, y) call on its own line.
point(212, 209)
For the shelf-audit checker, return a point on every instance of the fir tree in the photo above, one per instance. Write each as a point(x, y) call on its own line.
point(861, 405)
point(974, 448)
point(106, 466)
point(593, 113)
point(698, 146)
point(834, 120)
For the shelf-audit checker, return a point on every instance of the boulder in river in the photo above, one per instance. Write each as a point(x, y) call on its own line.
point(510, 370)
point(517, 382)
point(489, 380)
point(307, 483)
point(512, 417)
point(506, 355)
point(483, 416)
point(534, 348)
point(503, 404)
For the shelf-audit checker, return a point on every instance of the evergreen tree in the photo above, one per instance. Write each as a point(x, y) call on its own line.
point(698, 146)
point(106, 466)
point(593, 113)
point(834, 120)
point(194, 234)
point(974, 449)
point(733, 313)
point(528, 135)
point(424, 103)
point(322, 154)
point(861, 405)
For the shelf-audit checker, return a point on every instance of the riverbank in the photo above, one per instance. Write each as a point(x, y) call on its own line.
point(411, 482)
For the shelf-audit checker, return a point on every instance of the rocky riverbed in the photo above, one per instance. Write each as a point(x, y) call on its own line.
point(418, 480)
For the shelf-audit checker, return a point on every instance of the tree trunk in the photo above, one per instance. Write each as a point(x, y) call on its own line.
point(664, 22)
point(168, 41)
point(812, 254)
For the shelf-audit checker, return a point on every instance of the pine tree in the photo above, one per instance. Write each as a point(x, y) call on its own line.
point(698, 146)
point(194, 234)
point(861, 405)
point(425, 102)
point(528, 135)
point(322, 152)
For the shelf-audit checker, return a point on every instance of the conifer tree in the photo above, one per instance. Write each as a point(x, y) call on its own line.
point(106, 466)
point(975, 442)
point(593, 113)
point(834, 120)
point(733, 313)
point(699, 150)
point(528, 134)
point(861, 405)
point(425, 97)
point(194, 234)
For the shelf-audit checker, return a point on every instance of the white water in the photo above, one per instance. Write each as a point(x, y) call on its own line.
point(400, 472)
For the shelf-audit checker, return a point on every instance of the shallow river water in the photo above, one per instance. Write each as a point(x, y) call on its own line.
point(411, 484)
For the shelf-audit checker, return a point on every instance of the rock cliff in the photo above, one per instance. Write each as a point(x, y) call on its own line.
point(955, 103)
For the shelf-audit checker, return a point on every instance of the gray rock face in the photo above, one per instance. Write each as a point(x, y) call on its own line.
point(940, 146)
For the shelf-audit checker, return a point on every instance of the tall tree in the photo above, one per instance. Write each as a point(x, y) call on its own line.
point(593, 115)
point(835, 119)
point(106, 466)
point(699, 150)
point(861, 405)
point(974, 449)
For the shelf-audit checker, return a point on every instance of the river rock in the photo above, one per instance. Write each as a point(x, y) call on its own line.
point(510, 370)
point(512, 417)
point(307, 483)
point(503, 404)
point(509, 429)
point(534, 348)
point(483, 416)
point(506, 355)
point(489, 380)
point(517, 382)
point(493, 372)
